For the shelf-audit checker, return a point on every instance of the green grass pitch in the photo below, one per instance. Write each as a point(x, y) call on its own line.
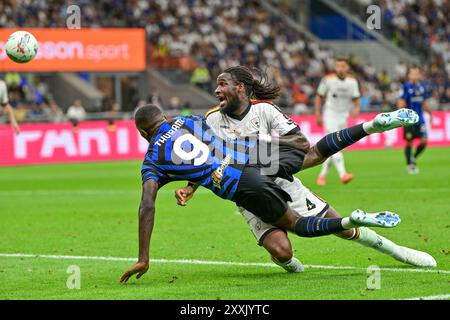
point(90, 210)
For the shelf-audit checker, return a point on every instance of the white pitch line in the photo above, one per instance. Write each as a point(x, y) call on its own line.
point(206, 262)
point(438, 297)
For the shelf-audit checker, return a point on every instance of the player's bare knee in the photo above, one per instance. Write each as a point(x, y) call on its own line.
point(278, 245)
point(282, 254)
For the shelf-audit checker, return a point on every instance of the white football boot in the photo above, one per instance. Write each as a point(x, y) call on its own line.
point(390, 120)
point(414, 257)
point(412, 169)
point(383, 219)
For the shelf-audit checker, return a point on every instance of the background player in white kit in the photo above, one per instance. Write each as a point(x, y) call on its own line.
point(238, 116)
point(4, 102)
point(341, 94)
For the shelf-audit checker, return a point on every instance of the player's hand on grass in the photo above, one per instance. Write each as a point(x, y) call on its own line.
point(140, 268)
point(183, 195)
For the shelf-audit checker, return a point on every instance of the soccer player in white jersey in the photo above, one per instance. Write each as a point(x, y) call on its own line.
point(341, 94)
point(6, 106)
point(237, 116)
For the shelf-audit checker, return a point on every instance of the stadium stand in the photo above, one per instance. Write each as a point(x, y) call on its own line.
point(198, 38)
point(421, 27)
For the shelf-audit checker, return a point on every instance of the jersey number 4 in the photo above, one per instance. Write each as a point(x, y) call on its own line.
point(310, 205)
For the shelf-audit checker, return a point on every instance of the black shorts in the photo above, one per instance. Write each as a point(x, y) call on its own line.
point(282, 162)
point(414, 132)
point(258, 193)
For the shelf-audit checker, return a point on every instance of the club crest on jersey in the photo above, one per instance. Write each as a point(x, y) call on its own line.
point(255, 123)
point(218, 173)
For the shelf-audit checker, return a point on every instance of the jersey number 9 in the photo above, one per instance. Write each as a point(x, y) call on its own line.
point(199, 152)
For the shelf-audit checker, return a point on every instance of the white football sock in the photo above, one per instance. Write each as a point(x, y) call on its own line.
point(293, 265)
point(325, 167)
point(338, 161)
point(347, 224)
point(368, 127)
point(370, 238)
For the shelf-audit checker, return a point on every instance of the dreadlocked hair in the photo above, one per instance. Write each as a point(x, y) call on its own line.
point(260, 89)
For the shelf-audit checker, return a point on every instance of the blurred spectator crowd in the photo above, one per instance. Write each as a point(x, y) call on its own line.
point(32, 101)
point(422, 27)
point(419, 24)
point(206, 36)
point(224, 33)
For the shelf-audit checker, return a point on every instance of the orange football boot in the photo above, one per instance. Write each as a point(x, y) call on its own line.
point(346, 178)
point(321, 181)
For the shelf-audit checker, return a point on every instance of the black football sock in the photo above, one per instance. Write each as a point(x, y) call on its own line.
point(408, 154)
point(336, 141)
point(419, 149)
point(317, 227)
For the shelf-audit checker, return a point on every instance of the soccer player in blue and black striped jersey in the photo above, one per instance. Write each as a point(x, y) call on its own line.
point(413, 95)
point(186, 148)
point(182, 150)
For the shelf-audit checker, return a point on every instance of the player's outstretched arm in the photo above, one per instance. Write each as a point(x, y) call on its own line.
point(146, 221)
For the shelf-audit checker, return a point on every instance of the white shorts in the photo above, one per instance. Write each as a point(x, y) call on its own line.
point(304, 202)
point(333, 121)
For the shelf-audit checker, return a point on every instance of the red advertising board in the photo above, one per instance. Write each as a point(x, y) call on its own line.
point(59, 143)
point(96, 141)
